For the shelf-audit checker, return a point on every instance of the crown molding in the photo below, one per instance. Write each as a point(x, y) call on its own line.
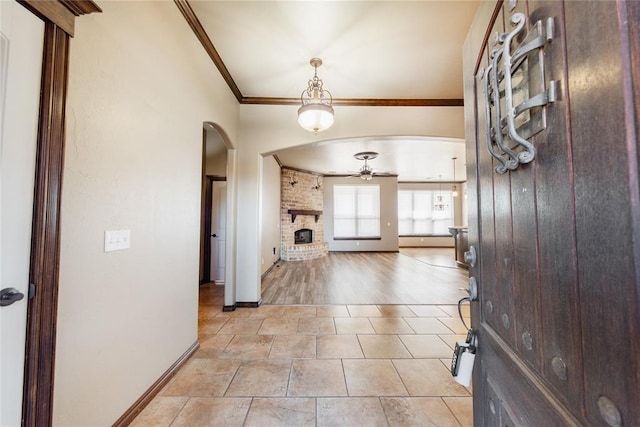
point(361, 102)
point(277, 159)
point(291, 168)
point(201, 34)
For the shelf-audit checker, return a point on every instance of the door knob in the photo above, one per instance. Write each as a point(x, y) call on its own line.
point(472, 289)
point(214, 235)
point(10, 295)
point(471, 256)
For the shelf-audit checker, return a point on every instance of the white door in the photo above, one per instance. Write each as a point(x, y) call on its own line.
point(218, 227)
point(22, 36)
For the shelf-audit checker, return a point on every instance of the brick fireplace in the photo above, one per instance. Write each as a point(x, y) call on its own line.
point(301, 215)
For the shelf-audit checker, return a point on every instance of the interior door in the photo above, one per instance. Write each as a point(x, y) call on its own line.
point(21, 38)
point(556, 230)
point(218, 231)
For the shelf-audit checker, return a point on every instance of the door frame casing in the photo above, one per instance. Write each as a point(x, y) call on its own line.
point(59, 18)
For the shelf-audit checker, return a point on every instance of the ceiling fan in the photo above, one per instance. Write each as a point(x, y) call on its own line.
point(366, 172)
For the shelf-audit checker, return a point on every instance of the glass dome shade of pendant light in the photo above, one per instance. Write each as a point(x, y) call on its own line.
point(315, 117)
point(316, 112)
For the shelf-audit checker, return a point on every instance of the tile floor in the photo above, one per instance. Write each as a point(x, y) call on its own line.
point(338, 365)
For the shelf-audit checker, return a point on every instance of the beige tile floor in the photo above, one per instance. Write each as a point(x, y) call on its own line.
point(339, 365)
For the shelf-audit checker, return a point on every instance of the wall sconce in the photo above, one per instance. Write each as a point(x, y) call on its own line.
point(318, 185)
point(293, 180)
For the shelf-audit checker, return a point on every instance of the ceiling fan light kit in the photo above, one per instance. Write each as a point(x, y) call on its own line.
point(366, 171)
point(366, 175)
point(316, 112)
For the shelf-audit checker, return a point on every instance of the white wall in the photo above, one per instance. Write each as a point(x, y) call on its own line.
point(140, 88)
point(215, 153)
point(388, 216)
point(270, 214)
point(259, 134)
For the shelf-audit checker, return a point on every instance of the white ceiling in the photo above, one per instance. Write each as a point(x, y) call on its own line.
point(412, 159)
point(370, 49)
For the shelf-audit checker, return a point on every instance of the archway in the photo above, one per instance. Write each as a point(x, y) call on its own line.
point(217, 239)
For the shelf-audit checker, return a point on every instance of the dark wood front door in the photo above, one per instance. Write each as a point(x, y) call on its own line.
point(557, 238)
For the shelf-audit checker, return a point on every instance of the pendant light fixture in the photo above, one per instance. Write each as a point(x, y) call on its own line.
point(316, 112)
point(440, 204)
point(454, 189)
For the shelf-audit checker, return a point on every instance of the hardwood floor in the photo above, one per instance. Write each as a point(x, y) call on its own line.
point(413, 276)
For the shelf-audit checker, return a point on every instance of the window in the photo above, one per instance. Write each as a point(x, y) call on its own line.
point(417, 215)
point(356, 211)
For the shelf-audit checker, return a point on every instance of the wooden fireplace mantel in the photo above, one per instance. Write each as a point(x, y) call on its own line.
point(296, 212)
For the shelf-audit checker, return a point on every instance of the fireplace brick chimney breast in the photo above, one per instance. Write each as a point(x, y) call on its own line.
point(301, 196)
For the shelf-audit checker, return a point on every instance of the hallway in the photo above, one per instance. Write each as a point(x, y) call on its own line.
point(318, 365)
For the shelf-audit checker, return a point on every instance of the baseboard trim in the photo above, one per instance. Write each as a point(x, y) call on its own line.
point(249, 304)
point(269, 269)
point(229, 307)
point(148, 395)
point(238, 304)
point(364, 252)
point(427, 247)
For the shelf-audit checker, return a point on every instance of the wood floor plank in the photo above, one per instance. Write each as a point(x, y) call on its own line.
point(413, 276)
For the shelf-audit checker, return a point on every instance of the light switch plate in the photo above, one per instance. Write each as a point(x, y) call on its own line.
point(116, 240)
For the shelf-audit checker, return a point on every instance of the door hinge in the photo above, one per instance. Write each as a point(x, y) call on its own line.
point(32, 290)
